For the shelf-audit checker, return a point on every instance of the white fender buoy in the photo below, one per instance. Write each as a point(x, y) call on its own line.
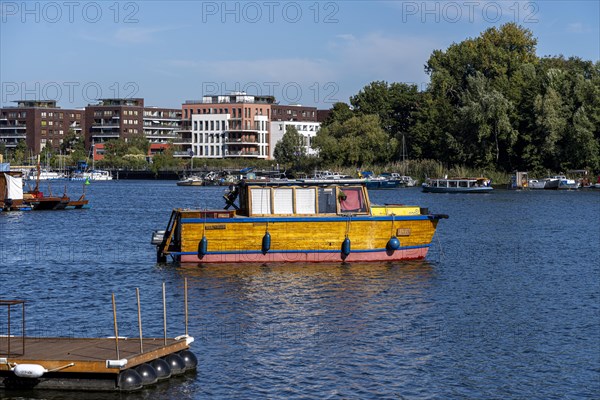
point(29, 370)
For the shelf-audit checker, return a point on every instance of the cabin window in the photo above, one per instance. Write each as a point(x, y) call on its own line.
point(462, 183)
point(261, 201)
point(305, 201)
point(352, 200)
point(452, 184)
point(327, 203)
point(283, 201)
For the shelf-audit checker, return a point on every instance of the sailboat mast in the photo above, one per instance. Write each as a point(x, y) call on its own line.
point(404, 166)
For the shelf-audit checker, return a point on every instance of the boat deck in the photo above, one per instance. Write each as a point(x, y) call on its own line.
point(89, 355)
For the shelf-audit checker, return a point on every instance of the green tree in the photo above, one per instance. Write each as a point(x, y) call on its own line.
point(19, 155)
point(290, 149)
point(164, 160)
point(340, 112)
point(487, 127)
point(394, 103)
point(477, 87)
point(138, 144)
point(356, 142)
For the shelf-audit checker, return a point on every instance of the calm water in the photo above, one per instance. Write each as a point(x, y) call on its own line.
point(507, 305)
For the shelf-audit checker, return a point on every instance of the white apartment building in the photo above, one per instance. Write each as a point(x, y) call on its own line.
point(307, 129)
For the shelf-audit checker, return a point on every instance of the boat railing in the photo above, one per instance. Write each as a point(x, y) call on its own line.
point(163, 247)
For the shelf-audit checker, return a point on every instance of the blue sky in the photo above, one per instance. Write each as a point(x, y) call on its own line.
point(303, 52)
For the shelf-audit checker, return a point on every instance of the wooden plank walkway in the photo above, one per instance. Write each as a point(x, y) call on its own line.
point(88, 354)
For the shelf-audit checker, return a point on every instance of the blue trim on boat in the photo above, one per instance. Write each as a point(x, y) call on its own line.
point(183, 253)
point(341, 218)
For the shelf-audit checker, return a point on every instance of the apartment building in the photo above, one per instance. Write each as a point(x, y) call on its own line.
point(40, 123)
point(125, 118)
point(293, 112)
point(307, 130)
point(303, 118)
point(226, 126)
point(161, 127)
point(113, 119)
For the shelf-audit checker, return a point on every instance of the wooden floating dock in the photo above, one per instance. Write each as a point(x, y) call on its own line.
point(91, 364)
point(82, 363)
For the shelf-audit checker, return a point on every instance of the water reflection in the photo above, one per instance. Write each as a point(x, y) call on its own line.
point(275, 316)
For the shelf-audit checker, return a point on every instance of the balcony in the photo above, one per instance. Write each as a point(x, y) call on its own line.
point(247, 154)
point(13, 126)
point(105, 126)
point(106, 135)
point(162, 127)
point(160, 136)
point(165, 119)
point(241, 141)
point(182, 154)
point(13, 135)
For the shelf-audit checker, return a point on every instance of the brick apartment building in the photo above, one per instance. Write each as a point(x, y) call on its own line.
point(40, 123)
point(126, 118)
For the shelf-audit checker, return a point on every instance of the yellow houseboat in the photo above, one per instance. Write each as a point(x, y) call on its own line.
point(296, 221)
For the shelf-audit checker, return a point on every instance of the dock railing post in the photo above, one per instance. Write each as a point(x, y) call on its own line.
point(114, 304)
point(137, 293)
point(185, 301)
point(164, 312)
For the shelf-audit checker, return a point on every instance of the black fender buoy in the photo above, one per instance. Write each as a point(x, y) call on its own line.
point(129, 380)
point(346, 247)
point(147, 373)
point(266, 243)
point(163, 371)
point(202, 247)
point(176, 364)
point(189, 359)
point(393, 243)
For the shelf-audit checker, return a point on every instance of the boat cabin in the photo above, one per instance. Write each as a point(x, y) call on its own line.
point(295, 199)
point(459, 182)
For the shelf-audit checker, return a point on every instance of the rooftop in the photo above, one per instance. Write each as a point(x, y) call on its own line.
point(235, 97)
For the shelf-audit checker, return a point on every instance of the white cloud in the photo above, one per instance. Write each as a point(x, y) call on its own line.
point(280, 71)
point(351, 63)
point(129, 35)
point(138, 35)
point(374, 56)
point(576, 27)
point(380, 57)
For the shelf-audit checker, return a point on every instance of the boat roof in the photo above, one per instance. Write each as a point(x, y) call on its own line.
point(460, 179)
point(300, 182)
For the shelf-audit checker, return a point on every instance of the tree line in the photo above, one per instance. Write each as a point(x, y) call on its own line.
point(491, 104)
